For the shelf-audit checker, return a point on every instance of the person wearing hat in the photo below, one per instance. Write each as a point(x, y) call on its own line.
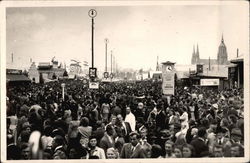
point(165, 135)
point(220, 136)
point(133, 149)
point(236, 136)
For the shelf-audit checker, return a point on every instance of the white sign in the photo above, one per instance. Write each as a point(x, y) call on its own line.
point(210, 82)
point(168, 82)
point(93, 85)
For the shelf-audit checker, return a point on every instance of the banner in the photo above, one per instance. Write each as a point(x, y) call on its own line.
point(209, 82)
point(168, 82)
point(93, 85)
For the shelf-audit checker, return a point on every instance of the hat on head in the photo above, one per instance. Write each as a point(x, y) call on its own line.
point(134, 133)
point(220, 129)
point(140, 104)
point(58, 131)
point(165, 134)
point(232, 112)
point(215, 106)
point(236, 131)
point(142, 128)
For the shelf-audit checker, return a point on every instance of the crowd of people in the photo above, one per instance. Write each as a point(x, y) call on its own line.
point(122, 120)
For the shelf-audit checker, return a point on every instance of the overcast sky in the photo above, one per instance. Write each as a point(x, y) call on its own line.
point(137, 34)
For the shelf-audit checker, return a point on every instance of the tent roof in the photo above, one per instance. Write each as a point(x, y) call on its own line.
point(15, 77)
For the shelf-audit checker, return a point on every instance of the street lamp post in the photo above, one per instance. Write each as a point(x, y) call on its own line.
point(92, 14)
point(92, 71)
point(111, 61)
point(106, 47)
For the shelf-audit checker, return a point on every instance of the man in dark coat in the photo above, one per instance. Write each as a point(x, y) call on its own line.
point(133, 149)
point(160, 117)
point(107, 140)
point(199, 144)
point(125, 127)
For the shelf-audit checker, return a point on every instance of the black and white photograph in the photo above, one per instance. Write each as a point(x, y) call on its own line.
point(143, 81)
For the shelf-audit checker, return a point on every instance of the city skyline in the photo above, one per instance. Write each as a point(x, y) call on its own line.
point(137, 34)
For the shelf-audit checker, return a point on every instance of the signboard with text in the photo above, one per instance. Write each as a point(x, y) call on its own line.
point(14, 71)
point(106, 75)
point(93, 85)
point(168, 82)
point(209, 82)
point(92, 73)
point(111, 75)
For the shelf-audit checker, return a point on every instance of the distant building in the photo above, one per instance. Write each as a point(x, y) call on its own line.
point(222, 57)
point(236, 72)
point(16, 76)
point(75, 70)
point(33, 73)
point(46, 70)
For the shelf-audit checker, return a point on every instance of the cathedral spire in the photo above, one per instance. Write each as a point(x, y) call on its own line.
point(157, 65)
point(222, 56)
point(197, 51)
point(193, 60)
point(197, 54)
point(222, 39)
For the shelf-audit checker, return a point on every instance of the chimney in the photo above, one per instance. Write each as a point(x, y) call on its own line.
point(237, 52)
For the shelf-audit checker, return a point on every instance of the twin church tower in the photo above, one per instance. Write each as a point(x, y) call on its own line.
point(222, 58)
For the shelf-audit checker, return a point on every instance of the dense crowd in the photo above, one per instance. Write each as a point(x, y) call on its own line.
point(122, 120)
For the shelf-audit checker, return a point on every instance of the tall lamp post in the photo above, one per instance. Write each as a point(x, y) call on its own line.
point(111, 61)
point(106, 47)
point(106, 69)
point(92, 71)
point(111, 74)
